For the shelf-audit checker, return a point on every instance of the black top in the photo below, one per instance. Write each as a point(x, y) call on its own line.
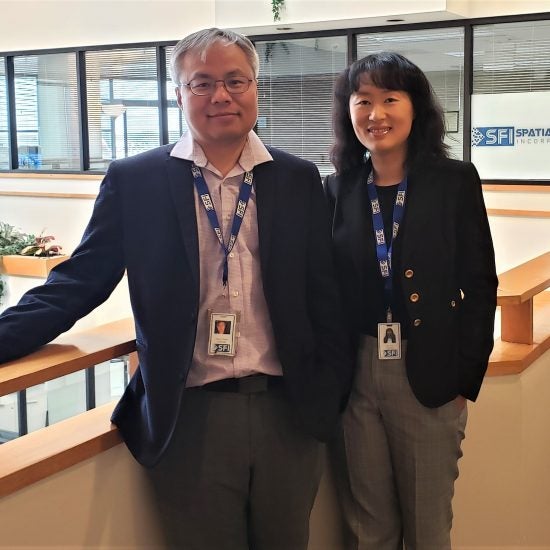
point(375, 305)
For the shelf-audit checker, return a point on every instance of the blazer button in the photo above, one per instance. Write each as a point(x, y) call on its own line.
point(409, 273)
point(414, 297)
point(453, 303)
point(417, 322)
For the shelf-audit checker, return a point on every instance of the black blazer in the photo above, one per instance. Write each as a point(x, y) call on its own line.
point(447, 260)
point(144, 222)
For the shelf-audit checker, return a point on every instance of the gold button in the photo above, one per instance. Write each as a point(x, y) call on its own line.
point(417, 322)
point(409, 273)
point(414, 297)
point(453, 303)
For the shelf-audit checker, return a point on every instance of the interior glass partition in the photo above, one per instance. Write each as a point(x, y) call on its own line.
point(123, 104)
point(511, 94)
point(176, 121)
point(295, 95)
point(4, 134)
point(440, 54)
point(46, 104)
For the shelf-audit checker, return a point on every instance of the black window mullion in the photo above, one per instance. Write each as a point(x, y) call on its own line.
point(22, 412)
point(83, 110)
point(163, 102)
point(12, 125)
point(352, 47)
point(90, 388)
point(468, 89)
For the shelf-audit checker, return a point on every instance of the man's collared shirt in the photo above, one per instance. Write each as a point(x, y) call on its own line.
point(256, 352)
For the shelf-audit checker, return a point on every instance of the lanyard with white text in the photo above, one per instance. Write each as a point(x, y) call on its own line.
point(383, 252)
point(240, 209)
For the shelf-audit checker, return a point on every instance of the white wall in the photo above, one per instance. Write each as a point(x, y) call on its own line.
point(493, 8)
point(38, 24)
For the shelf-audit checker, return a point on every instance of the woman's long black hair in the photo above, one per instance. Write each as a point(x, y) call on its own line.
point(390, 71)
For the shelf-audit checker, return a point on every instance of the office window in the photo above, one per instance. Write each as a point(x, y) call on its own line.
point(46, 112)
point(176, 120)
point(512, 58)
point(295, 95)
point(4, 136)
point(440, 54)
point(123, 106)
point(511, 93)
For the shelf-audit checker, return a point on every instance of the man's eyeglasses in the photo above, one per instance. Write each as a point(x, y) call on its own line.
point(207, 86)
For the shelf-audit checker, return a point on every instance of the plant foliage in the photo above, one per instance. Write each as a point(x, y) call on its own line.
point(276, 7)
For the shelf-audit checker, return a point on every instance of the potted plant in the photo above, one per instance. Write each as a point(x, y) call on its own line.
point(12, 241)
point(27, 255)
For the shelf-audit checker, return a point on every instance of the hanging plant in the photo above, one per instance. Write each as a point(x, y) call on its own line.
point(276, 7)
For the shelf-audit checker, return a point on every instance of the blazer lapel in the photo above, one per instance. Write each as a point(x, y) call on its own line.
point(417, 213)
point(356, 219)
point(182, 188)
point(265, 186)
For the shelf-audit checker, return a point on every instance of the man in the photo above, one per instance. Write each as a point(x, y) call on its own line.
point(228, 425)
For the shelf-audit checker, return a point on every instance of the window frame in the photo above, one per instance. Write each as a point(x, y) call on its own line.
point(350, 34)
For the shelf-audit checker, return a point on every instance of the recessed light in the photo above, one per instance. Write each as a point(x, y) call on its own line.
point(394, 20)
point(283, 28)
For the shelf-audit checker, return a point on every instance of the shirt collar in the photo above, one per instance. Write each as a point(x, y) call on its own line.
point(253, 154)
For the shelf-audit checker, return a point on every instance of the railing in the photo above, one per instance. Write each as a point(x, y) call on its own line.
point(525, 316)
point(23, 461)
point(40, 454)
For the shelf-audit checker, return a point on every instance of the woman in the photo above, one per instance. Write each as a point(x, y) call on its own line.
point(414, 255)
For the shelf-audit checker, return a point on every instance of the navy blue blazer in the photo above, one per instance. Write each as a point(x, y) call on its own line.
point(144, 222)
point(447, 276)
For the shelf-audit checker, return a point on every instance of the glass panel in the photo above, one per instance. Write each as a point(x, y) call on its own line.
point(440, 54)
point(46, 103)
point(4, 136)
point(511, 85)
point(9, 419)
point(512, 58)
point(111, 377)
point(56, 400)
point(295, 95)
point(176, 120)
point(123, 116)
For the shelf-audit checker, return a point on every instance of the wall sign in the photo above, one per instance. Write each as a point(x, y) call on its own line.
point(511, 135)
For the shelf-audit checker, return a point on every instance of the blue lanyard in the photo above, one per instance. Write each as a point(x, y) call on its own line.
point(240, 209)
point(383, 252)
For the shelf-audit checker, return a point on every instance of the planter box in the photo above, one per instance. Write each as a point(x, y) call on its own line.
point(30, 266)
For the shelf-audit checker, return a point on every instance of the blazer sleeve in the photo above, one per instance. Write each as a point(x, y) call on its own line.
point(478, 282)
point(332, 346)
point(74, 288)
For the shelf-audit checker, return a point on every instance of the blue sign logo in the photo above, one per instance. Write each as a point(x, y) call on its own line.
point(493, 136)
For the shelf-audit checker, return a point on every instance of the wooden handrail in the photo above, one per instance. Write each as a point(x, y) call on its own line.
point(524, 281)
point(525, 315)
point(69, 353)
point(40, 454)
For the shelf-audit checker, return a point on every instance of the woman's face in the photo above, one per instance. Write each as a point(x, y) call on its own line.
point(382, 119)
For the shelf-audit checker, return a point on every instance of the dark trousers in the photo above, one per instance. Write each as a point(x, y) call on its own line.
point(238, 474)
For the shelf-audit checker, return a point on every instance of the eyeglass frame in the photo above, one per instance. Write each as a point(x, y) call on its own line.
point(223, 80)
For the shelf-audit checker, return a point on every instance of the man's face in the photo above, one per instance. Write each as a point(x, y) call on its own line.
point(221, 118)
point(220, 327)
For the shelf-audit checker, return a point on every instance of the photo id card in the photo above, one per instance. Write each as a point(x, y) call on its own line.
point(222, 334)
point(389, 341)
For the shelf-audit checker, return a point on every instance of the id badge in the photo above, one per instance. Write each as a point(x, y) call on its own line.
point(222, 334)
point(389, 341)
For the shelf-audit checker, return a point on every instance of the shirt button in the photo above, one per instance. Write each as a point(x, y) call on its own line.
point(453, 303)
point(231, 255)
point(417, 322)
point(414, 297)
point(235, 293)
point(409, 273)
point(228, 216)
